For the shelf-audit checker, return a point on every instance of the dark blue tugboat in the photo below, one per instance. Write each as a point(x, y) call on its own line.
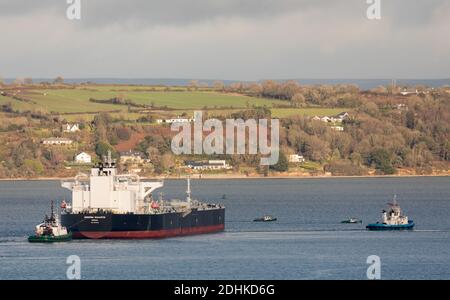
point(392, 219)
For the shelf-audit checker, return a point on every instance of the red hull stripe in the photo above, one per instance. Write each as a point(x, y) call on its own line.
point(151, 234)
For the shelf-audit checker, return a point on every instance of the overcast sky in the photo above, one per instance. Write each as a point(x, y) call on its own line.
point(225, 39)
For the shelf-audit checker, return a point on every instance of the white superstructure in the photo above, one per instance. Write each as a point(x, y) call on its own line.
point(394, 215)
point(105, 190)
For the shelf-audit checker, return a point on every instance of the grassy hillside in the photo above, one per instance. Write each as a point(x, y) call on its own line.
point(77, 100)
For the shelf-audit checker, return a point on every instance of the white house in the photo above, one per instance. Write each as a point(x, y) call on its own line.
point(57, 141)
point(296, 158)
point(83, 158)
point(334, 119)
point(208, 165)
point(337, 128)
point(71, 128)
point(325, 119)
point(131, 157)
point(406, 92)
point(175, 120)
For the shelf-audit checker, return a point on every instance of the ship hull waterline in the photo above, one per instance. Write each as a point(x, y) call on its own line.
point(383, 227)
point(133, 226)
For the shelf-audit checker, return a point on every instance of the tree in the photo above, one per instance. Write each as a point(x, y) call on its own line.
point(123, 133)
point(19, 81)
point(382, 161)
point(218, 85)
point(298, 100)
point(58, 80)
point(194, 84)
point(410, 120)
point(370, 108)
point(282, 165)
point(34, 165)
point(102, 149)
point(28, 80)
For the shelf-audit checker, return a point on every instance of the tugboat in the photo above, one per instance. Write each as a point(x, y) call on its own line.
point(392, 219)
point(50, 230)
point(266, 218)
point(352, 221)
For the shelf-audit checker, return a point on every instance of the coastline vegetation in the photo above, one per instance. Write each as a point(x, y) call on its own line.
point(386, 131)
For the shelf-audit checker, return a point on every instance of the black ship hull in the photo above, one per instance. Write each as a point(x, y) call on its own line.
point(143, 226)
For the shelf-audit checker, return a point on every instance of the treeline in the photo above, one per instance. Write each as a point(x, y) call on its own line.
point(298, 95)
point(417, 137)
point(119, 101)
point(341, 95)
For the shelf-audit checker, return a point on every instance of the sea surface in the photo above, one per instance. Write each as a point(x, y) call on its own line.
point(307, 242)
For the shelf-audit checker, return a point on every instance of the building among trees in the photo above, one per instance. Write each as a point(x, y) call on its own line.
point(57, 141)
point(83, 158)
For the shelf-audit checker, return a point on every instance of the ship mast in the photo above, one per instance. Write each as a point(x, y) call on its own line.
point(188, 191)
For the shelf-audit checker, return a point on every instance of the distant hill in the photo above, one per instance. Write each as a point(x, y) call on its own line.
point(364, 84)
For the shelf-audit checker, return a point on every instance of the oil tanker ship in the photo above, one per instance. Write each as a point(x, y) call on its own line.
point(107, 205)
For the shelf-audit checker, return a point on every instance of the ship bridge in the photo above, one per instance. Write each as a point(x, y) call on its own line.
point(105, 190)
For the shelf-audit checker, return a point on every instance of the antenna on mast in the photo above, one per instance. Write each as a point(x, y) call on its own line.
point(188, 191)
point(109, 160)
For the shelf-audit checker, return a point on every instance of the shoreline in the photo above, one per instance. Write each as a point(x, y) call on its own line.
point(231, 177)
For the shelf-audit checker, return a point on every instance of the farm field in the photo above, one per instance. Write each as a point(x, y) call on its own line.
point(289, 112)
point(75, 105)
point(77, 100)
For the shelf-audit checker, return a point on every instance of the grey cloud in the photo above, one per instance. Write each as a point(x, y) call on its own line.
point(180, 12)
point(254, 39)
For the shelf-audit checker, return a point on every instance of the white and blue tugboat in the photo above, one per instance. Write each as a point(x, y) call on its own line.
point(392, 219)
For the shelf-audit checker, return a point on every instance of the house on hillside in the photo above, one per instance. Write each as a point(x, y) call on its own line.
point(337, 128)
point(175, 120)
point(131, 156)
point(57, 141)
point(333, 119)
point(71, 128)
point(208, 165)
point(83, 158)
point(296, 158)
point(406, 92)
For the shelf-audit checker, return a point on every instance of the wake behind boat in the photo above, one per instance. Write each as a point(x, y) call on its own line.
point(392, 219)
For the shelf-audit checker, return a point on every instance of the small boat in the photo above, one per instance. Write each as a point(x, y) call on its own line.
point(266, 218)
point(50, 230)
point(352, 221)
point(392, 219)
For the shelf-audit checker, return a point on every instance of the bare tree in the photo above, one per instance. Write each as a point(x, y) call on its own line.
point(58, 80)
point(28, 80)
point(218, 85)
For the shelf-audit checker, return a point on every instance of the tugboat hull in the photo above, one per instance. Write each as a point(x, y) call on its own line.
point(380, 226)
point(134, 226)
point(50, 239)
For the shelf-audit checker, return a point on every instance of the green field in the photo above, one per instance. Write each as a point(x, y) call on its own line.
point(311, 112)
point(77, 100)
point(75, 104)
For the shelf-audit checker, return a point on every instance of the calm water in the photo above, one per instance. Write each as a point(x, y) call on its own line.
point(308, 241)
